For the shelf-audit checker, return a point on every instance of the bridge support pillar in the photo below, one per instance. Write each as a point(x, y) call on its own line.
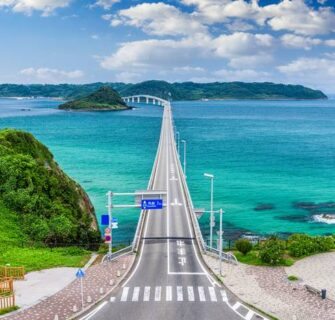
point(147, 99)
point(133, 99)
point(138, 99)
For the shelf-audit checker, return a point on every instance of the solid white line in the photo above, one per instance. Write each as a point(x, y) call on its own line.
point(168, 293)
point(167, 208)
point(189, 273)
point(158, 293)
point(202, 296)
point(236, 306)
point(146, 296)
point(224, 296)
point(212, 294)
point(179, 293)
point(190, 293)
point(136, 293)
point(124, 294)
point(249, 315)
point(94, 312)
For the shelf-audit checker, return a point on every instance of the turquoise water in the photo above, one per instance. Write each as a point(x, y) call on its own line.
point(273, 152)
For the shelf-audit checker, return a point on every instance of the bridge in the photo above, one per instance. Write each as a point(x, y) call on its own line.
point(169, 279)
point(146, 99)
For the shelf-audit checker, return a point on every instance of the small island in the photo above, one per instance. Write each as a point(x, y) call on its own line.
point(104, 99)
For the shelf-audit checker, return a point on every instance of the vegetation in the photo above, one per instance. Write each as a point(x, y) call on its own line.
point(276, 252)
point(175, 91)
point(40, 207)
point(8, 310)
point(104, 99)
point(243, 246)
point(293, 278)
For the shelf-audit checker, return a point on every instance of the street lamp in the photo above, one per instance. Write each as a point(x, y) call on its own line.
point(220, 242)
point(211, 221)
point(178, 142)
point(184, 142)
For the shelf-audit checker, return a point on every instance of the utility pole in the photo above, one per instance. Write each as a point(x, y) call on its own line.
point(109, 205)
point(220, 243)
point(211, 220)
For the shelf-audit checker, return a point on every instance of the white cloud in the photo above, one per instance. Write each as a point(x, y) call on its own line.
point(295, 41)
point(48, 75)
point(330, 43)
point(95, 37)
point(105, 4)
point(158, 19)
point(241, 75)
point(315, 72)
point(28, 6)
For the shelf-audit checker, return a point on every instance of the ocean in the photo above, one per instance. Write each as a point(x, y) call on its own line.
point(273, 161)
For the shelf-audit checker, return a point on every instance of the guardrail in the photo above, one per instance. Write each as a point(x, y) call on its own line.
point(226, 256)
point(6, 286)
point(117, 254)
point(7, 301)
point(16, 273)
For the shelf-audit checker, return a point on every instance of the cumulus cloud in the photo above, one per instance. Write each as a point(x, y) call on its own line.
point(295, 41)
point(245, 74)
point(158, 19)
point(49, 75)
point(105, 4)
point(315, 72)
point(28, 6)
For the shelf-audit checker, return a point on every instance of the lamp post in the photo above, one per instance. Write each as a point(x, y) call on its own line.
point(109, 207)
point(184, 142)
point(220, 243)
point(211, 221)
point(178, 142)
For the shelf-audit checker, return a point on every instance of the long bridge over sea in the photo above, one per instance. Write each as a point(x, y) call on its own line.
point(169, 279)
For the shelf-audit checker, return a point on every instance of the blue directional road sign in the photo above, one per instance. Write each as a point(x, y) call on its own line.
point(114, 220)
point(105, 220)
point(152, 204)
point(80, 273)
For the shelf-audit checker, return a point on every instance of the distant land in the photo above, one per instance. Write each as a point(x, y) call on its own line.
point(104, 99)
point(166, 90)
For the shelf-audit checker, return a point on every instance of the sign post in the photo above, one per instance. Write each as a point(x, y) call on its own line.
point(110, 244)
point(80, 275)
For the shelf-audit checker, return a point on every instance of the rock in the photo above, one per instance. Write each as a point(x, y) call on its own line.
point(264, 206)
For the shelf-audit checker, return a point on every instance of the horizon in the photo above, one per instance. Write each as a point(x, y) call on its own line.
point(203, 41)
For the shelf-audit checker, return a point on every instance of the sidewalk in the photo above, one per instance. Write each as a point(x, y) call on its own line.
point(269, 290)
point(97, 282)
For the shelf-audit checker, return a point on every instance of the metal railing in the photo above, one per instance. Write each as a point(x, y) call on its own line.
point(117, 254)
point(226, 256)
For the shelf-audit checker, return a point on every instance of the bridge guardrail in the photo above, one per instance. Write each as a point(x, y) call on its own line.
point(226, 256)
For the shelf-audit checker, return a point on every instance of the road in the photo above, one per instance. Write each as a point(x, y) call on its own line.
point(169, 280)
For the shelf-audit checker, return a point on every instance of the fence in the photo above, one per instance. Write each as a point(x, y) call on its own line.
point(6, 286)
point(7, 301)
point(16, 273)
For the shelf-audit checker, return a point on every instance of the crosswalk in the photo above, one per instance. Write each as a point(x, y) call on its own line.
point(170, 294)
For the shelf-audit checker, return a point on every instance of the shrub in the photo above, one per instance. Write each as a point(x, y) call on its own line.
point(272, 251)
point(243, 245)
point(293, 278)
point(324, 244)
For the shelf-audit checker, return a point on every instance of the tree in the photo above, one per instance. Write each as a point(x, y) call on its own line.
point(243, 245)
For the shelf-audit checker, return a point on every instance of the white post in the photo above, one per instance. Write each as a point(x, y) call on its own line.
point(109, 195)
point(220, 243)
point(211, 218)
point(184, 142)
point(82, 293)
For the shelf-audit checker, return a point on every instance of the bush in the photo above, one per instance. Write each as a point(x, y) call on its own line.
point(303, 245)
point(243, 245)
point(272, 251)
point(293, 278)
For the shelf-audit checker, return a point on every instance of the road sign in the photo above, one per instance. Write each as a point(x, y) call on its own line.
point(80, 273)
point(152, 204)
point(114, 220)
point(107, 231)
point(108, 238)
point(105, 220)
point(115, 225)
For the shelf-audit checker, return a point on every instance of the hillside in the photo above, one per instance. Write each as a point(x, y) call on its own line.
point(47, 206)
point(104, 99)
point(175, 91)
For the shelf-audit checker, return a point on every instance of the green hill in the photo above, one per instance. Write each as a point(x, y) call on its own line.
point(104, 99)
point(175, 91)
point(39, 199)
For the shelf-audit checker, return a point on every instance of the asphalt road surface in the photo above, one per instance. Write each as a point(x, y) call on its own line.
point(169, 280)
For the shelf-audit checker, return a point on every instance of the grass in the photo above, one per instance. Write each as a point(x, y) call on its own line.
point(14, 253)
point(292, 278)
point(7, 310)
point(252, 258)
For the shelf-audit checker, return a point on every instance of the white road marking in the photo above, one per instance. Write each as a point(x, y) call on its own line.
point(180, 243)
point(146, 296)
point(176, 203)
point(180, 294)
point(236, 306)
point(202, 296)
point(181, 251)
point(224, 296)
point(212, 294)
point(173, 179)
point(168, 293)
point(190, 293)
point(182, 261)
point(136, 293)
point(158, 293)
point(94, 312)
point(124, 294)
point(249, 315)
point(112, 299)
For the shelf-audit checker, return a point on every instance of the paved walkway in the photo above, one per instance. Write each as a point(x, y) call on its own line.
point(269, 290)
point(99, 280)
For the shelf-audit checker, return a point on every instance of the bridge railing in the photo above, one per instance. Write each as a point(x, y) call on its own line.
point(147, 98)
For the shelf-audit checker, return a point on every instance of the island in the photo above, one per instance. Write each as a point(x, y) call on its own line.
point(177, 91)
point(104, 99)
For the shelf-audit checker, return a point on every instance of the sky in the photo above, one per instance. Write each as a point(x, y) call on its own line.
point(77, 41)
